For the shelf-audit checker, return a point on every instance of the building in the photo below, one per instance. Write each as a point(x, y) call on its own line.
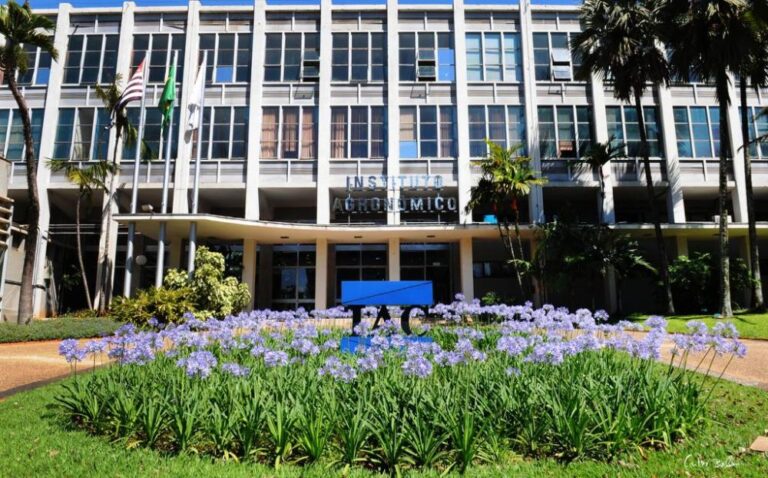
point(339, 139)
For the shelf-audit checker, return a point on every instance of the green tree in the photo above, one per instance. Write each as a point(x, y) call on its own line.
point(507, 177)
point(598, 155)
point(19, 26)
point(619, 42)
point(87, 177)
point(124, 130)
point(753, 71)
point(706, 40)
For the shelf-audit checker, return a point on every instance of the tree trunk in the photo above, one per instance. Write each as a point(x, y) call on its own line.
point(725, 273)
point(79, 242)
point(523, 289)
point(26, 293)
point(104, 261)
point(660, 245)
point(758, 303)
point(509, 245)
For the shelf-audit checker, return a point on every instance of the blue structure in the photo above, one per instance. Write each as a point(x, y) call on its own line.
point(409, 294)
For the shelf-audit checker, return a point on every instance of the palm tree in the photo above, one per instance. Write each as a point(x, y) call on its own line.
point(707, 40)
point(619, 42)
point(598, 155)
point(19, 27)
point(110, 97)
point(507, 178)
point(92, 175)
point(753, 70)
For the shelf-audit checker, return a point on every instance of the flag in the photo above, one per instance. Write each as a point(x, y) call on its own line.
point(168, 98)
point(196, 100)
point(134, 90)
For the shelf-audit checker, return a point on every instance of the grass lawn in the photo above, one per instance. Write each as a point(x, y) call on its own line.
point(751, 326)
point(63, 328)
point(35, 443)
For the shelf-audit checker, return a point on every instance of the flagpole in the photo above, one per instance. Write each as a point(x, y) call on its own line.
point(196, 185)
point(127, 277)
point(164, 202)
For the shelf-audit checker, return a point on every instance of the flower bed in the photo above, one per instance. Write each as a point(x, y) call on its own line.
point(273, 387)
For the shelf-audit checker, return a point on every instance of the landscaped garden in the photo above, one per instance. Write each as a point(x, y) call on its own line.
point(521, 389)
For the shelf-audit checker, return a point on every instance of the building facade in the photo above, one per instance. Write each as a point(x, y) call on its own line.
point(340, 140)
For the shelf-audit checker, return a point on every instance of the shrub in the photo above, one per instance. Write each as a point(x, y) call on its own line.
point(207, 294)
point(59, 328)
point(164, 304)
point(695, 281)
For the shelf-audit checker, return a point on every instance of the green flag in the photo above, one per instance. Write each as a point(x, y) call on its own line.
point(168, 98)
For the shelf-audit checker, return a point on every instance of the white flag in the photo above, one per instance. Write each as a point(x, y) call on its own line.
point(195, 105)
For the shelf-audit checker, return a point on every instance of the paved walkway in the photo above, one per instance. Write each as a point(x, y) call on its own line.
point(28, 365)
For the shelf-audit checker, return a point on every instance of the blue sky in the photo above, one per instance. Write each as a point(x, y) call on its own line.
point(109, 3)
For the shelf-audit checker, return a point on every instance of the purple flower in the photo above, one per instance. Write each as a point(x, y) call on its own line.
point(330, 344)
point(198, 364)
point(370, 361)
point(339, 370)
point(236, 370)
point(512, 345)
point(512, 371)
point(275, 358)
point(95, 346)
point(418, 366)
point(69, 350)
point(656, 322)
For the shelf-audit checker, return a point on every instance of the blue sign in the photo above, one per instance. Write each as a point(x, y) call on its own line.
point(386, 293)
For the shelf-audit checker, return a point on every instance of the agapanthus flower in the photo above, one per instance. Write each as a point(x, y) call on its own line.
point(339, 370)
point(275, 358)
point(198, 364)
point(71, 352)
point(418, 366)
point(236, 370)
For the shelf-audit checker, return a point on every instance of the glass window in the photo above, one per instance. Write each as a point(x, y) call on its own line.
point(503, 125)
point(356, 262)
point(228, 138)
point(474, 57)
point(340, 57)
point(359, 132)
point(38, 67)
point(627, 129)
point(493, 63)
point(407, 56)
point(448, 132)
point(446, 57)
point(698, 131)
point(552, 57)
point(758, 127)
point(288, 54)
point(273, 57)
point(153, 147)
point(293, 276)
point(513, 63)
point(564, 131)
point(285, 129)
point(82, 134)
point(359, 57)
point(477, 135)
point(434, 52)
point(12, 135)
point(428, 131)
point(339, 132)
point(161, 48)
point(378, 57)
point(378, 132)
point(541, 56)
point(409, 146)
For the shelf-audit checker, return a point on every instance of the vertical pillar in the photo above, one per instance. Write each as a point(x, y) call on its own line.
point(324, 115)
point(50, 120)
point(254, 111)
point(675, 204)
point(682, 245)
point(174, 251)
point(321, 273)
point(607, 209)
point(536, 197)
point(109, 228)
point(465, 268)
point(249, 268)
point(462, 111)
point(180, 204)
point(393, 259)
point(393, 106)
point(739, 193)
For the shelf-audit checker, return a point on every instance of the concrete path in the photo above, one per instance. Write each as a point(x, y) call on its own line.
point(32, 364)
point(28, 365)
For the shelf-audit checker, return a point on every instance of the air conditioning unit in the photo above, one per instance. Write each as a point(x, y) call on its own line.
point(716, 219)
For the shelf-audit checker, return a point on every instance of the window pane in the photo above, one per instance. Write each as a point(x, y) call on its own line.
point(408, 142)
point(359, 132)
point(339, 132)
point(269, 131)
point(447, 132)
point(63, 133)
point(446, 57)
point(290, 139)
point(308, 133)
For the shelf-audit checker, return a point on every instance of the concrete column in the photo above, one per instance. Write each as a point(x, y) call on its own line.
point(465, 268)
point(109, 228)
point(174, 252)
point(324, 116)
point(462, 111)
point(675, 204)
point(682, 245)
point(607, 209)
point(739, 193)
point(254, 111)
point(536, 198)
point(321, 273)
point(393, 106)
point(180, 204)
point(393, 259)
point(50, 120)
point(249, 268)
